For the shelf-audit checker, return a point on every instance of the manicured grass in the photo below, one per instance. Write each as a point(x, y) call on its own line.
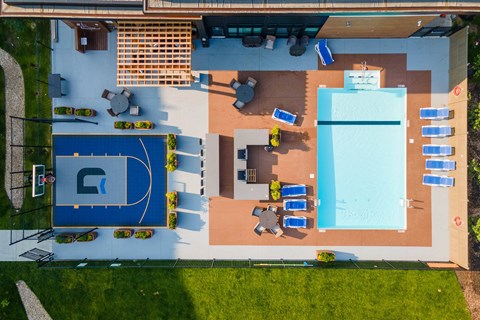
point(18, 37)
point(236, 293)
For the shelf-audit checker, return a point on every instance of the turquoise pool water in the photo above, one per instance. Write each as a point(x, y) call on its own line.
point(361, 159)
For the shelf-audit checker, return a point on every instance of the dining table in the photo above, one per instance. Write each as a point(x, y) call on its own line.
point(244, 93)
point(119, 103)
point(268, 219)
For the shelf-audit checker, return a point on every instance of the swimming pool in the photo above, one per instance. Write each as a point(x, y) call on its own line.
point(361, 178)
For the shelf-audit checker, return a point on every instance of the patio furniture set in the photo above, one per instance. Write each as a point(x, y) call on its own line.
point(120, 103)
point(298, 46)
point(432, 131)
point(244, 92)
point(289, 191)
point(267, 220)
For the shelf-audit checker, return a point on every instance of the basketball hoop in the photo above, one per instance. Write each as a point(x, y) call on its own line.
point(456, 91)
point(457, 221)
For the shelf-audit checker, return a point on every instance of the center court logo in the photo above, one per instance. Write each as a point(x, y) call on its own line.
point(82, 188)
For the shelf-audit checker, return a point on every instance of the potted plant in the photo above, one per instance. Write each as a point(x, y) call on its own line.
point(276, 136)
point(172, 198)
point(144, 125)
point(122, 233)
point(172, 220)
point(122, 125)
point(171, 162)
point(143, 234)
point(87, 237)
point(68, 111)
point(85, 112)
point(172, 141)
point(65, 238)
point(275, 189)
point(325, 256)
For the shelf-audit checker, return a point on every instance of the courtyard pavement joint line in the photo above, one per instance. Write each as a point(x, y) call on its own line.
point(14, 106)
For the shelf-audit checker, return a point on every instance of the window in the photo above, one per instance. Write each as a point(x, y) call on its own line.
point(218, 32)
point(311, 31)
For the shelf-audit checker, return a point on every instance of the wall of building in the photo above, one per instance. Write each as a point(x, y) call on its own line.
point(372, 26)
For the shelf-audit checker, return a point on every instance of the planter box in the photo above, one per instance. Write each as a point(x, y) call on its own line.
point(144, 125)
point(172, 146)
point(172, 220)
point(144, 234)
point(65, 238)
point(175, 202)
point(325, 256)
point(123, 125)
point(85, 112)
point(66, 111)
point(122, 233)
point(88, 237)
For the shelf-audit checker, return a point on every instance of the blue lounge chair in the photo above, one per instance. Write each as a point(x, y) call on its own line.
point(437, 150)
point(324, 52)
point(284, 116)
point(294, 190)
point(295, 205)
point(294, 222)
point(437, 164)
point(437, 181)
point(434, 113)
point(436, 131)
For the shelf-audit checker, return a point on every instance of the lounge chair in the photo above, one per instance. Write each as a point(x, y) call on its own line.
point(259, 229)
point(324, 52)
point(295, 204)
point(294, 190)
point(239, 104)
point(434, 113)
point(436, 131)
point(256, 211)
point(277, 231)
point(438, 164)
point(270, 42)
point(284, 116)
point(294, 222)
point(437, 181)
point(437, 150)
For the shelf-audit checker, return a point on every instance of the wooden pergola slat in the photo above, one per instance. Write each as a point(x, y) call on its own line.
point(154, 54)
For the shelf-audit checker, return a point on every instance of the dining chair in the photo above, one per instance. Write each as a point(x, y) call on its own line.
point(259, 229)
point(110, 112)
point(127, 93)
point(251, 82)
point(277, 231)
point(239, 104)
point(234, 84)
point(134, 110)
point(257, 211)
point(107, 94)
point(272, 208)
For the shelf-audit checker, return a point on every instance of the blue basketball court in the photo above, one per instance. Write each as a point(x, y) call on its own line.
point(105, 181)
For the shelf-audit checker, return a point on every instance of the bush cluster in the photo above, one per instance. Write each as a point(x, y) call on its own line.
point(275, 189)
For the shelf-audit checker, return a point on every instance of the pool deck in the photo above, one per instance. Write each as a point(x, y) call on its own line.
point(222, 228)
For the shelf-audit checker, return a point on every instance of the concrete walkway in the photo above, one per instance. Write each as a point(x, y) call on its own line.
point(14, 106)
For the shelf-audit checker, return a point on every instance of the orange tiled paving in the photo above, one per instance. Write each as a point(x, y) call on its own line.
point(231, 222)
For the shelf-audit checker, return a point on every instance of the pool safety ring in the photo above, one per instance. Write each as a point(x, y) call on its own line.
point(456, 91)
point(457, 221)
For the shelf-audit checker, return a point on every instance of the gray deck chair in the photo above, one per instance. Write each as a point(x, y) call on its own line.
point(277, 231)
point(110, 112)
point(270, 42)
point(292, 40)
point(127, 93)
point(256, 211)
point(304, 40)
point(107, 94)
point(259, 229)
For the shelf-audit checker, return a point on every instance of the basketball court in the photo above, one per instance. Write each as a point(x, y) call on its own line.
point(105, 181)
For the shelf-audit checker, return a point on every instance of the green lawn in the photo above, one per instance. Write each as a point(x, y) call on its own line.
point(235, 293)
point(18, 37)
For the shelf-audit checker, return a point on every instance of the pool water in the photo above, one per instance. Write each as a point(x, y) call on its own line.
point(361, 159)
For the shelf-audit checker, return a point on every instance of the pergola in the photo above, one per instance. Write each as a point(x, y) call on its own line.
point(154, 53)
